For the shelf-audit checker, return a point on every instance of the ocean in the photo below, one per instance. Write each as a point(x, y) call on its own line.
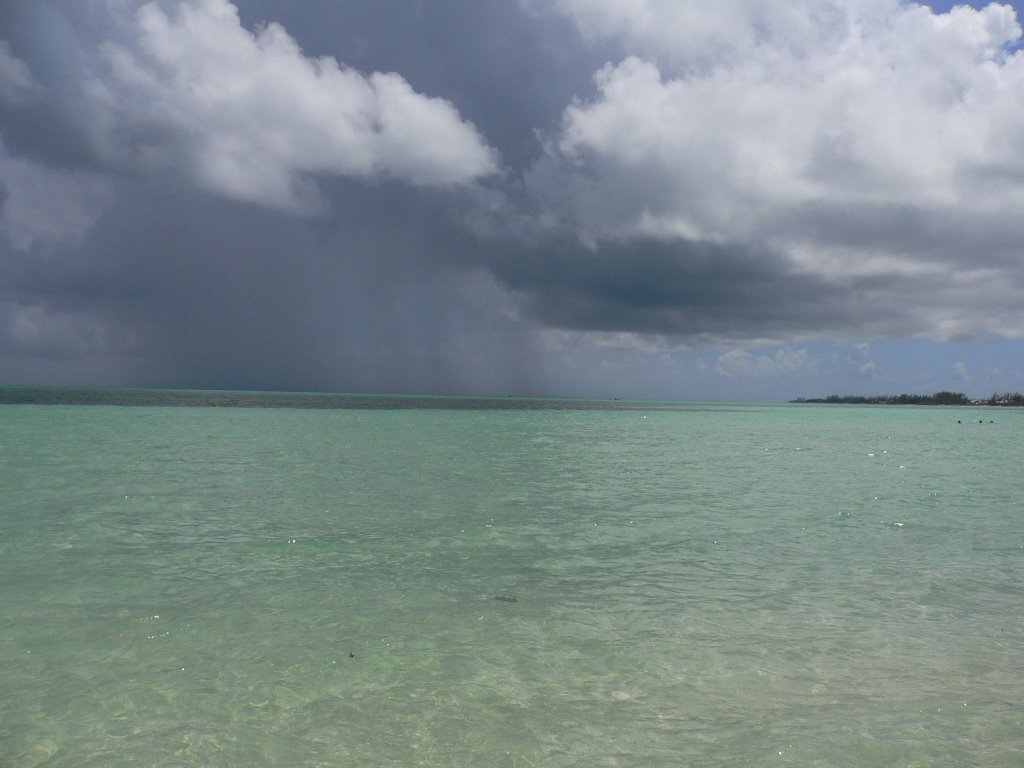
point(375, 581)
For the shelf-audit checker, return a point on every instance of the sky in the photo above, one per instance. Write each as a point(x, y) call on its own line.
point(665, 199)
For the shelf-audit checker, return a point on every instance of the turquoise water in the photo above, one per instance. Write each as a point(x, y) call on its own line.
point(699, 586)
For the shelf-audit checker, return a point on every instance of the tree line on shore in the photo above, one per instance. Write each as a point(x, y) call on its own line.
point(939, 398)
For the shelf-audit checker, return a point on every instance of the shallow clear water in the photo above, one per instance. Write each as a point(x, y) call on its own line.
point(712, 586)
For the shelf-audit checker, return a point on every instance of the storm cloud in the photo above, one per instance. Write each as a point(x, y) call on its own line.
point(448, 197)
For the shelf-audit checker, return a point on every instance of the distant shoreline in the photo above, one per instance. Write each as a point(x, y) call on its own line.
point(1008, 399)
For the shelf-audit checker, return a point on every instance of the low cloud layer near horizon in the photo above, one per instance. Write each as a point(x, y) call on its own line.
point(652, 198)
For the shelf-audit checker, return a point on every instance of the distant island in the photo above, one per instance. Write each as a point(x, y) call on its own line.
point(939, 398)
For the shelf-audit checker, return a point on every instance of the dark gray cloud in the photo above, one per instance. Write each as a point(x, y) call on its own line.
point(189, 291)
point(681, 289)
point(57, 42)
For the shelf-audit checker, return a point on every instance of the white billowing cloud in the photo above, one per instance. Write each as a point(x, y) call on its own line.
point(894, 107)
point(861, 352)
point(860, 358)
point(247, 115)
point(16, 82)
point(962, 372)
point(785, 362)
point(693, 35)
point(696, 34)
point(859, 138)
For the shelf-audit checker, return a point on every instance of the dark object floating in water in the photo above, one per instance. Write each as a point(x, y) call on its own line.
point(506, 599)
